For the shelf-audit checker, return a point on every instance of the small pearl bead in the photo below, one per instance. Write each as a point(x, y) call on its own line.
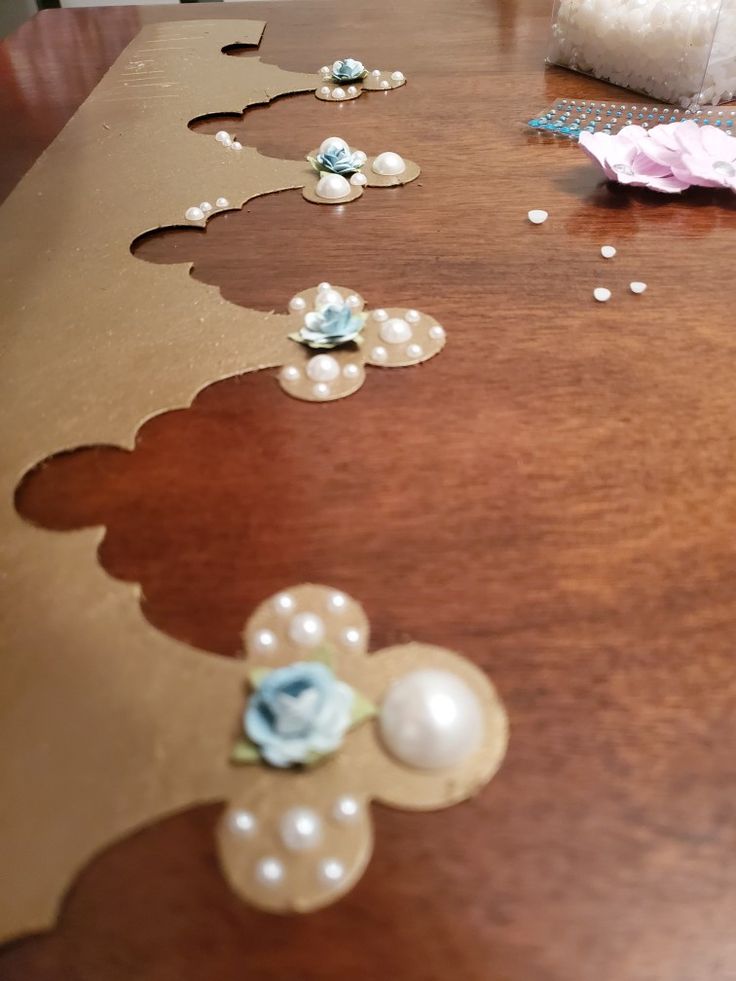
point(269, 871)
point(436, 332)
point(431, 719)
point(222, 203)
point(395, 331)
point(290, 373)
point(637, 287)
point(358, 180)
point(360, 157)
point(376, 73)
point(242, 823)
point(537, 217)
point(324, 286)
point(608, 251)
point(301, 829)
point(325, 70)
point(332, 186)
point(379, 354)
point(338, 93)
point(325, 90)
point(205, 206)
point(388, 164)
point(333, 143)
point(321, 390)
point(346, 809)
point(323, 368)
point(601, 294)
point(352, 90)
point(354, 302)
point(283, 603)
point(237, 146)
point(328, 298)
point(330, 870)
point(380, 315)
point(412, 316)
point(397, 76)
point(223, 137)
point(352, 636)
point(297, 304)
point(307, 630)
point(414, 351)
point(337, 602)
point(194, 214)
point(351, 371)
point(385, 84)
point(265, 641)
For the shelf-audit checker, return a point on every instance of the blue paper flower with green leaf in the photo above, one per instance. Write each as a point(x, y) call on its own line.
point(330, 327)
point(348, 70)
point(298, 714)
point(337, 160)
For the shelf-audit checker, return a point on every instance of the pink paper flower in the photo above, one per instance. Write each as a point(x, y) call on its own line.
point(624, 157)
point(707, 156)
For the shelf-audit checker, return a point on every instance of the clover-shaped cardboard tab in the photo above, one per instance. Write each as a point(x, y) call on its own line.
point(298, 836)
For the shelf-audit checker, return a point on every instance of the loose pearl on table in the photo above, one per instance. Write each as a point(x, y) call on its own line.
point(301, 829)
point(269, 871)
point(265, 641)
point(222, 203)
point(307, 630)
point(194, 214)
point(436, 332)
point(412, 316)
point(333, 143)
point(323, 368)
point(414, 351)
point(379, 315)
point(325, 90)
point(358, 180)
point(205, 206)
point(537, 216)
point(395, 331)
point(351, 371)
point(346, 809)
point(223, 137)
point(608, 251)
point(637, 288)
point(601, 294)
point(321, 390)
point(338, 93)
point(297, 304)
point(242, 823)
point(397, 76)
point(431, 719)
point(332, 186)
point(388, 164)
point(360, 157)
point(283, 603)
point(290, 373)
point(379, 354)
point(330, 870)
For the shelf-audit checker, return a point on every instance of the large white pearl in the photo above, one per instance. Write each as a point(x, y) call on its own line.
point(389, 164)
point(301, 829)
point(431, 719)
point(333, 143)
point(307, 629)
point(333, 186)
point(223, 137)
point(395, 331)
point(323, 368)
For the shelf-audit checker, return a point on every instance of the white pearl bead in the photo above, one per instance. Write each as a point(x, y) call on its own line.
point(360, 157)
point(608, 251)
point(205, 206)
point(397, 76)
point(330, 870)
point(237, 146)
point(637, 288)
point(346, 809)
point(194, 214)
point(321, 390)
point(269, 871)
point(265, 641)
point(338, 93)
point(352, 90)
point(352, 636)
point(395, 331)
point(353, 302)
point(328, 298)
point(297, 304)
point(242, 823)
point(290, 373)
point(414, 351)
point(333, 143)
point(537, 216)
point(222, 203)
point(379, 354)
point(431, 719)
point(376, 73)
point(307, 630)
point(323, 368)
point(358, 180)
point(332, 186)
point(301, 829)
point(379, 315)
point(325, 70)
point(436, 332)
point(283, 603)
point(412, 316)
point(388, 164)
point(324, 286)
point(325, 90)
point(223, 137)
point(601, 294)
point(385, 84)
point(351, 371)
point(337, 602)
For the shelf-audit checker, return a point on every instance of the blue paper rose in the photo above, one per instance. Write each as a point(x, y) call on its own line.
point(330, 327)
point(338, 160)
point(348, 70)
point(298, 713)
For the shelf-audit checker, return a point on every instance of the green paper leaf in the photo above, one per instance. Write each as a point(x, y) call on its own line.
point(363, 709)
point(257, 675)
point(244, 751)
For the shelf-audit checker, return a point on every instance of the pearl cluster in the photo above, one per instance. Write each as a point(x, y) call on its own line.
point(678, 52)
point(228, 141)
point(197, 213)
point(398, 333)
point(306, 629)
point(338, 93)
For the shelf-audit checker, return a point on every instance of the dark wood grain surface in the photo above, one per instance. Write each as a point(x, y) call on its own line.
point(552, 496)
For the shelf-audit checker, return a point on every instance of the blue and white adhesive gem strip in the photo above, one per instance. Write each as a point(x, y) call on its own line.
point(571, 117)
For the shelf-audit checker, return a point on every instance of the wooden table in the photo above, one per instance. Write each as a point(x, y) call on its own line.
point(553, 497)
